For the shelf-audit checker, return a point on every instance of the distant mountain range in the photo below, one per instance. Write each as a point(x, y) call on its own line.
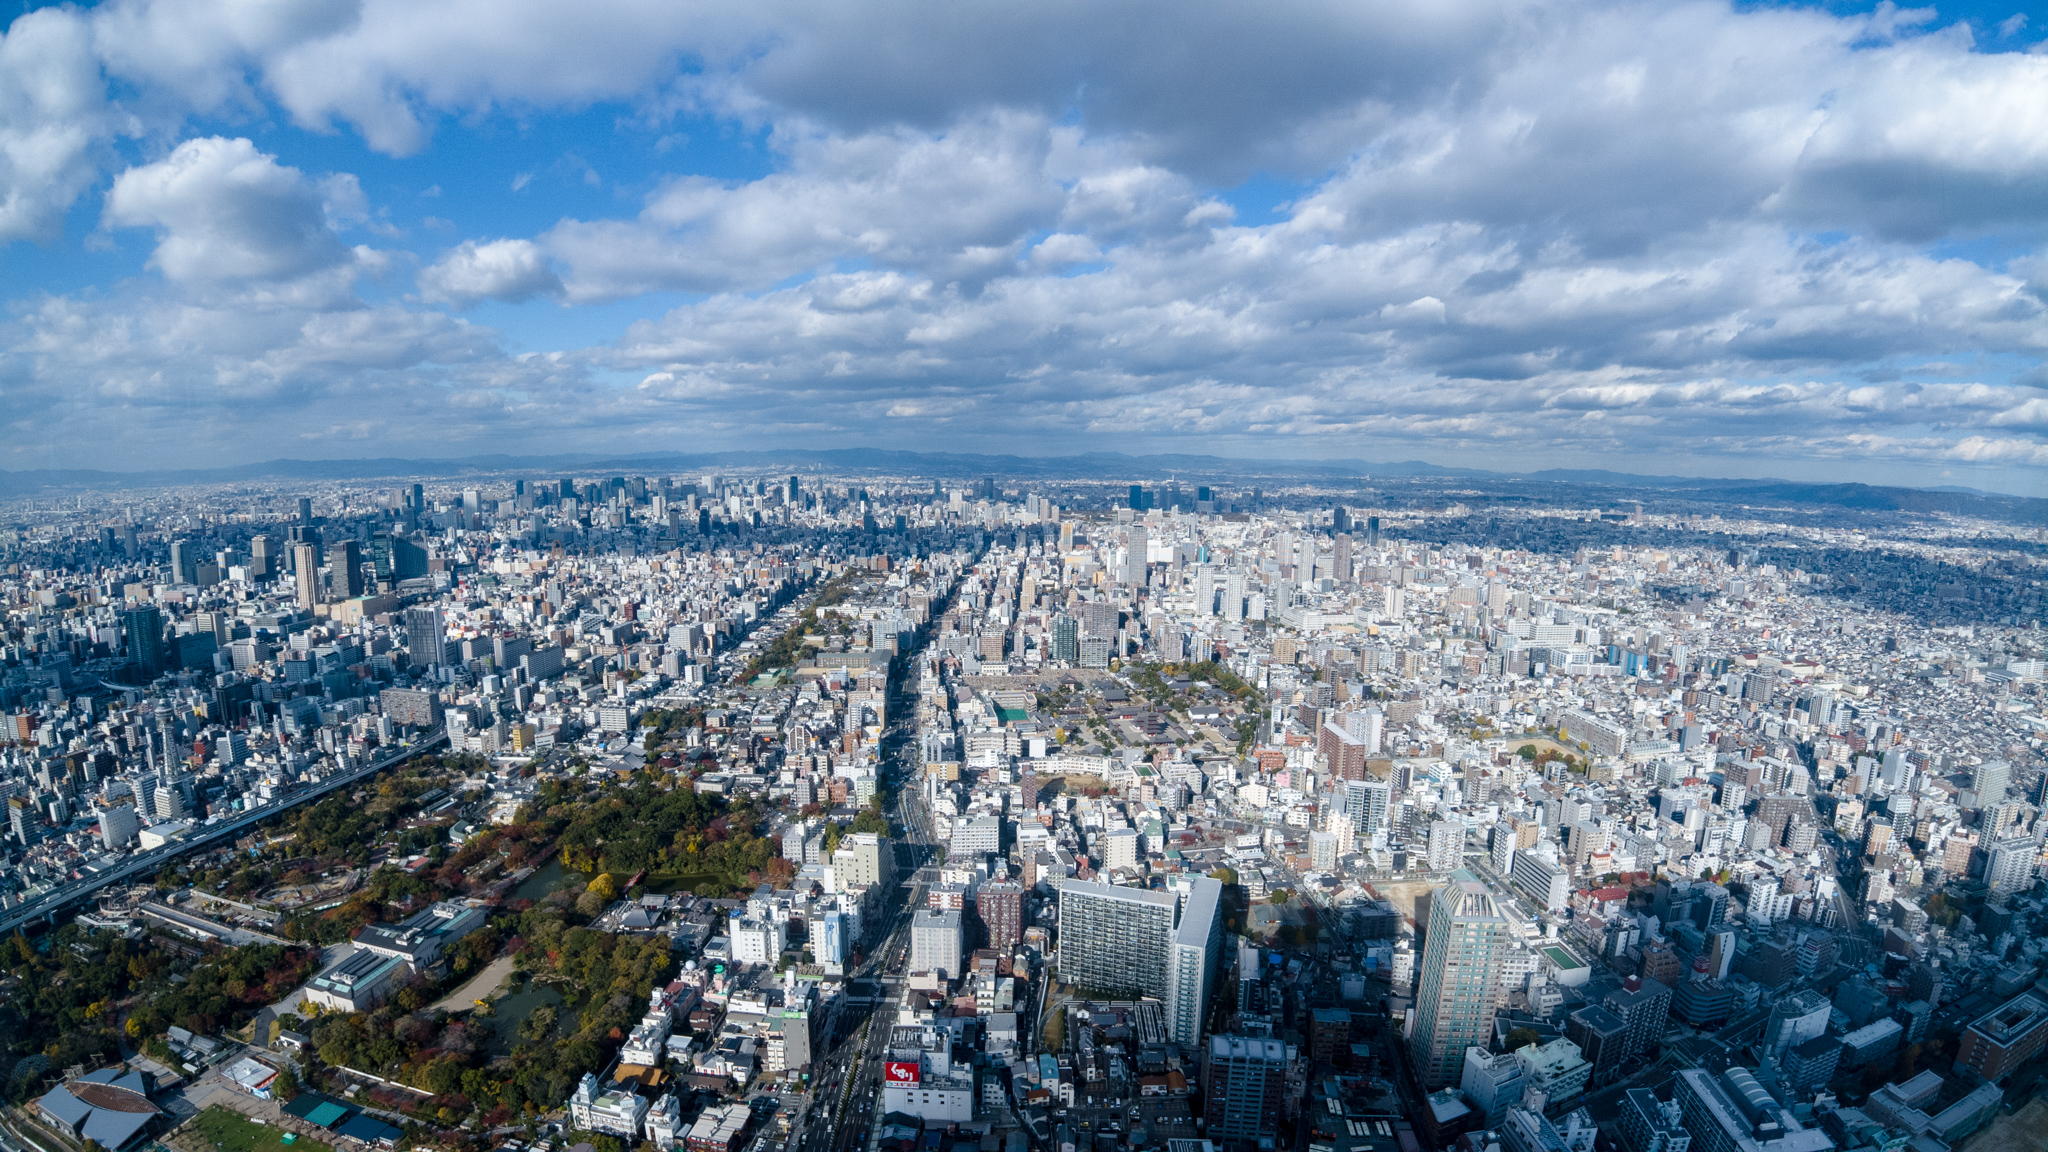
point(1188, 468)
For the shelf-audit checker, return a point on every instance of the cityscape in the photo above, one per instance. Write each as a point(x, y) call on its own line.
point(865, 812)
point(1023, 576)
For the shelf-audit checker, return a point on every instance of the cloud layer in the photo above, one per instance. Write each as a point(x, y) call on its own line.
point(1768, 239)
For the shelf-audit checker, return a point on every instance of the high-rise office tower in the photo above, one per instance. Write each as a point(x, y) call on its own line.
point(24, 823)
point(1233, 596)
point(1340, 555)
point(1244, 1079)
point(306, 510)
point(263, 557)
point(1066, 638)
point(145, 628)
point(184, 562)
point(306, 574)
point(1460, 989)
point(345, 558)
point(1372, 531)
point(424, 637)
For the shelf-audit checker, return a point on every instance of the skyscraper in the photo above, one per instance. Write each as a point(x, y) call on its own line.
point(145, 628)
point(345, 558)
point(1460, 989)
point(1116, 941)
point(1197, 952)
point(1066, 638)
point(184, 562)
point(305, 510)
point(1233, 596)
point(23, 821)
point(306, 574)
point(1119, 941)
point(424, 637)
point(263, 557)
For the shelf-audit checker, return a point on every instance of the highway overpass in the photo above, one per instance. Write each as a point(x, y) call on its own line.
point(50, 904)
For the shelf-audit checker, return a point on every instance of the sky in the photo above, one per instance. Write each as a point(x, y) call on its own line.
point(1662, 237)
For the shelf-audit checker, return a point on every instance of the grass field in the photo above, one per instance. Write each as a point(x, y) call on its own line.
point(234, 1132)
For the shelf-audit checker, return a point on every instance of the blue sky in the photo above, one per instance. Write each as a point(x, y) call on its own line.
point(1751, 240)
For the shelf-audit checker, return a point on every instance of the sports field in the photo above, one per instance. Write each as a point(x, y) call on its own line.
point(233, 1132)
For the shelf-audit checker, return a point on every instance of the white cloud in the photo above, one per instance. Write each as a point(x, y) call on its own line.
point(1583, 227)
point(143, 375)
point(225, 212)
point(54, 121)
point(962, 197)
point(511, 270)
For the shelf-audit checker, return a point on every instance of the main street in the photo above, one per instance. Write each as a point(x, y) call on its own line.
point(844, 1096)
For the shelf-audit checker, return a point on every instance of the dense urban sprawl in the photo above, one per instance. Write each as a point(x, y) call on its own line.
point(808, 813)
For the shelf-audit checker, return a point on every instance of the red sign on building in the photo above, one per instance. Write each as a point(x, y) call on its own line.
point(901, 1072)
